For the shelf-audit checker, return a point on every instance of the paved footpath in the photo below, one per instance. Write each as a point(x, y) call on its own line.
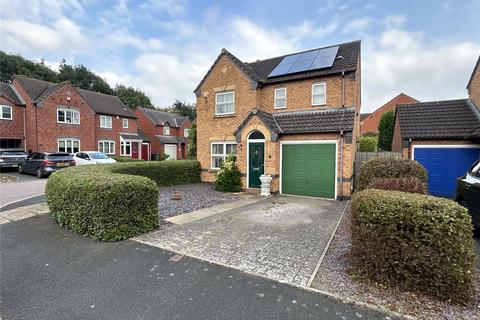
point(50, 273)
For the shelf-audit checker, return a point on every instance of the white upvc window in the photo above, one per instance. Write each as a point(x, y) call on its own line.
point(125, 123)
point(319, 94)
point(166, 130)
point(6, 112)
point(225, 103)
point(106, 146)
point(68, 145)
point(125, 148)
point(69, 116)
point(106, 122)
point(280, 101)
point(220, 150)
point(186, 132)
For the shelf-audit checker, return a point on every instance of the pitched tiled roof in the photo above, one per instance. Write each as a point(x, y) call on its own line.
point(105, 103)
point(346, 60)
point(313, 121)
point(451, 119)
point(304, 121)
point(8, 91)
point(160, 117)
point(34, 87)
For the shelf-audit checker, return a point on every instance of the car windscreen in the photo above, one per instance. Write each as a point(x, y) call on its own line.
point(14, 153)
point(59, 156)
point(98, 155)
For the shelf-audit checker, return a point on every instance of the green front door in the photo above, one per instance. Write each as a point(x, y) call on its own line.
point(309, 170)
point(256, 157)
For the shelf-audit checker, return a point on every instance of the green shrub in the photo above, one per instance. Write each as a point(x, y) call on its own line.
point(229, 177)
point(385, 131)
point(415, 242)
point(368, 144)
point(405, 184)
point(390, 168)
point(126, 159)
point(117, 201)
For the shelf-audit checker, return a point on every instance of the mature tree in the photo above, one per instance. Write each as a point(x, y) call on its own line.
point(11, 64)
point(192, 142)
point(385, 131)
point(183, 108)
point(133, 97)
point(81, 77)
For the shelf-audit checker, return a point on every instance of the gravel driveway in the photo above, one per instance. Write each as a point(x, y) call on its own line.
point(194, 197)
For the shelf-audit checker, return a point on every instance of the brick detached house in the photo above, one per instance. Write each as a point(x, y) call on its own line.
point(293, 117)
point(12, 117)
point(167, 132)
point(369, 121)
point(60, 117)
point(444, 136)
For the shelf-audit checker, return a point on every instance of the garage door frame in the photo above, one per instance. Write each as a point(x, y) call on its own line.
point(442, 146)
point(335, 142)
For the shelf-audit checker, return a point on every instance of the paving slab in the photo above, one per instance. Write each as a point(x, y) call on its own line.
point(281, 237)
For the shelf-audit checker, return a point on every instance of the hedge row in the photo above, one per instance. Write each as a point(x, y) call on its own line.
point(390, 168)
point(114, 202)
point(416, 242)
point(405, 184)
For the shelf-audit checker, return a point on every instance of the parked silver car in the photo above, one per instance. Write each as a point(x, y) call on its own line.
point(11, 158)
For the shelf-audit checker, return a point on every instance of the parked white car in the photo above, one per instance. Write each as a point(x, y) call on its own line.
point(92, 157)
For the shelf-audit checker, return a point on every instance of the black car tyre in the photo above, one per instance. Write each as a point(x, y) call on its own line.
point(20, 169)
point(39, 173)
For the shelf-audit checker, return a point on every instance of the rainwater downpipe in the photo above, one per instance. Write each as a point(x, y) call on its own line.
point(341, 165)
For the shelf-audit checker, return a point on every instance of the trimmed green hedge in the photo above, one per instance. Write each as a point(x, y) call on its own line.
point(390, 168)
point(405, 184)
point(368, 144)
point(415, 242)
point(126, 159)
point(117, 201)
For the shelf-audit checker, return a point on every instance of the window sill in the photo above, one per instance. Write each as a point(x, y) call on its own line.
point(69, 124)
point(224, 115)
point(6, 119)
point(279, 108)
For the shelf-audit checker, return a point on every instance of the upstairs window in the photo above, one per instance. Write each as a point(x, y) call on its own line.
point(319, 94)
point(125, 123)
point(280, 98)
point(224, 103)
point(105, 122)
point(69, 116)
point(6, 113)
point(186, 132)
point(166, 131)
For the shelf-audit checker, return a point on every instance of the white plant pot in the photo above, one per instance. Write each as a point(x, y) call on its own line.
point(265, 186)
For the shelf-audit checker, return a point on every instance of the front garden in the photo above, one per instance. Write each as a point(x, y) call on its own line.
point(402, 249)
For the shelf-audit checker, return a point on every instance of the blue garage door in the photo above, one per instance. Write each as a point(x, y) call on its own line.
point(444, 166)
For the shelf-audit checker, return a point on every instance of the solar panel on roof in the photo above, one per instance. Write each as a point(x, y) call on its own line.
point(310, 60)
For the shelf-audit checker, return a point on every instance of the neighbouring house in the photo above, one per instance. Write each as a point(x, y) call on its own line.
point(293, 117)
point(444, 136)
point(369, 121)
point(60, 117)
point(12, 117)
point(167, 132)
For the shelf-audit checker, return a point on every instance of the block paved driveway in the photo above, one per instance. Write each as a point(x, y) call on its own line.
point(281, 237)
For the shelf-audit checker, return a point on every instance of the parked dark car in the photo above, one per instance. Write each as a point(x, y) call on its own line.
point(11, 158)
point(468, 192)
point(43, 164)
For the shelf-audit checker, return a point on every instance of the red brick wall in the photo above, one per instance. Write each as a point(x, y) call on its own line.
point(113, 134)
point(370, 124)
point(474, 86)
point(13, 129)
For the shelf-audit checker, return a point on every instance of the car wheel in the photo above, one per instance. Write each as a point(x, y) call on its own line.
point(39, 173)
point(20, 169)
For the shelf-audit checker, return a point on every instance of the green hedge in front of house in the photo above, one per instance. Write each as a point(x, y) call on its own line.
point(390, 168)
point(117, 201)
point(415, 242)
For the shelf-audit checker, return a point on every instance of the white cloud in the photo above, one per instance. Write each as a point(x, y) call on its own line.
point(172, 7)
point(400, 61)
point(358, 25)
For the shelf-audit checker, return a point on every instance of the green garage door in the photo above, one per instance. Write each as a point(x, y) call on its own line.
point(309, 170)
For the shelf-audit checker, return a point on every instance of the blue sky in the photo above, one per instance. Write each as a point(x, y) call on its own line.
point(426, 49)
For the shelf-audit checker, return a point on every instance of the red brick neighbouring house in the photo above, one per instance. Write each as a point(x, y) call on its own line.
point(167, 132)
point(12, 117)
point(60, 117)
point(369, 122)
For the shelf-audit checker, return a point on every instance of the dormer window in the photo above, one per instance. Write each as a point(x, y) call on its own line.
point(280, 101)
point(166, 130)
point(319, 94)
point(224, 103)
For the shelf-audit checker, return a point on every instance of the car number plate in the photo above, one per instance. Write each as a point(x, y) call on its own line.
point(63, 164)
